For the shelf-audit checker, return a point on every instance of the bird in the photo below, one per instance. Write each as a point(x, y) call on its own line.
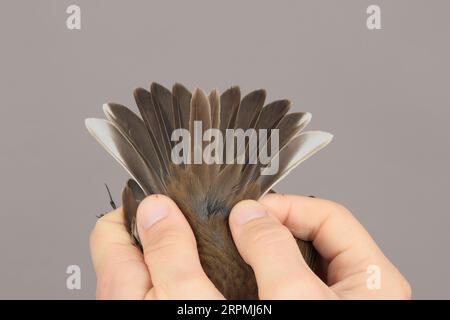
point(206, 191)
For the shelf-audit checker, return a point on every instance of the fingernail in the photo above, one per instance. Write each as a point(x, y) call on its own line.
point(250, 212)
point(149, 215)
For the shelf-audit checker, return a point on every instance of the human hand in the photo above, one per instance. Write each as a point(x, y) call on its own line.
point(346, 250)
point(169, 267)
point(263, 232)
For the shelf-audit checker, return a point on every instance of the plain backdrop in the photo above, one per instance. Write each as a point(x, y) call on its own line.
point(384, 94)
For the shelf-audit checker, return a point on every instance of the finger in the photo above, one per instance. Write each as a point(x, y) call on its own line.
point(339, 238)
point(119, 265)
point(170, 252)
point(272, 252)
point(330, 226)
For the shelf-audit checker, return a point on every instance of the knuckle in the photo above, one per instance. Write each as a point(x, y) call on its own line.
point(337, 207)
point(338, 211)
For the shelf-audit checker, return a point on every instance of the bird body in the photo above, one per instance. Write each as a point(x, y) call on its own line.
point(205, 191)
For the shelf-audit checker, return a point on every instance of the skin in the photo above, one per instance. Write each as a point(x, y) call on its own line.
point(263, 233)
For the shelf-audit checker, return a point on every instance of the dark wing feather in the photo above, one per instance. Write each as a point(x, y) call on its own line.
point(162, 101)
point(123, 151)
point(270, 117)
point(250, 109)
point(297, 150)
point(134, 129)
point(200, 113)
point(229, 106)
point(272, 113)
point(214, 102)
point(288, 127)
point(182, 105)
point(291, 125)
point(248, 114)
point(152, 122)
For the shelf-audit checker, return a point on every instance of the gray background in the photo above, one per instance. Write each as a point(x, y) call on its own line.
point(384, 94)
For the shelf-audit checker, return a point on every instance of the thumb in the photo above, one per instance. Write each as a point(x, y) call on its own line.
point(271, 250)
point(170, 252)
